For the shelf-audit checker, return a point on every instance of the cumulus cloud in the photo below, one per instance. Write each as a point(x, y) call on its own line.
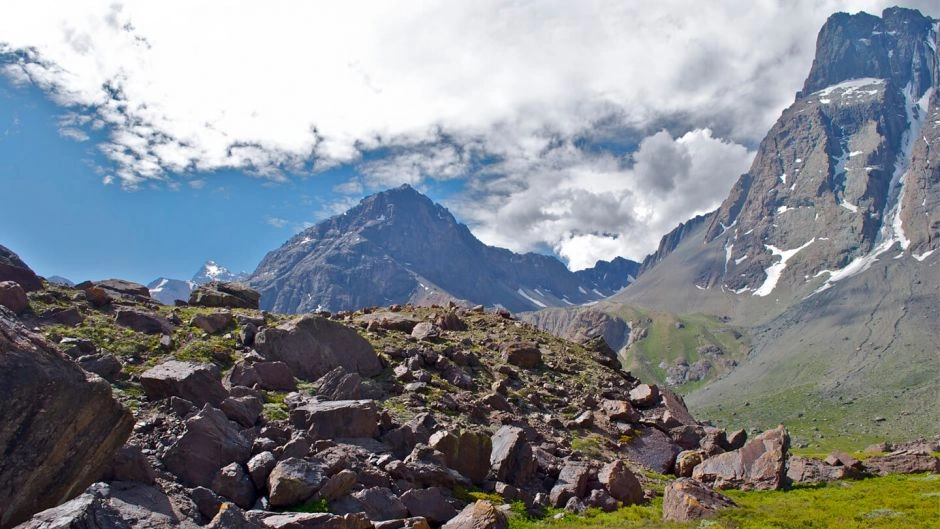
point(276, 222)
point(525, 100)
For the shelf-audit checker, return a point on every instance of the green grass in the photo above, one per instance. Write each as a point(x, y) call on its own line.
point(892, 502)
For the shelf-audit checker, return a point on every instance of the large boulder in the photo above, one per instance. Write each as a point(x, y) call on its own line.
point(572, 483)
point(210, 442)
point(234, 483)
point(294, 481)
point(430, 503)
point(119, 505)
point(526, 355)
point(339, 384)
point(142, 321)
point(379, 503)
point(902, 462)
point(686, 499)
point(12, 268)
point(337, 418)
point(120, 287)
point(653, 449)
point(212, 322)
point(60, 425)
point(316, 520)
point(511, 458)
point(313, 346)
point(467, 453)
point(479, 515)
point(621, 483)
point(13, 297)
point(226, 295)
point(759, 465)
point(810, 470)
point(272, 376)
point(197, 382)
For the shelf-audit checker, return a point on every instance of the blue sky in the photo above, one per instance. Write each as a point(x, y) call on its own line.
point(138, 140)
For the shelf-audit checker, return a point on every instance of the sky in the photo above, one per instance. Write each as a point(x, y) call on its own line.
point(139, 140)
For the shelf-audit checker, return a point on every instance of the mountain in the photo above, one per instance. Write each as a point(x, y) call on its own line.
point(398, 246)
point(212, 271)
point(167, 291)
point(59, 280)
point(825, 252)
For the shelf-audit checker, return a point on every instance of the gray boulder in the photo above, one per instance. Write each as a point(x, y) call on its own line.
point(621, 483)
point(339, 485)
point(294, 481)
point(105, 365)
point(686, 500)
point(12, 268)
point(197, 382)
point(260, 467)
point(339, 384)
point(572, 483)
point(234, 483)
point(337, 419)
point(758, 465)
point(212, 322)
point(902, 462)
point(522, 354)
point(60, 424)
point(210, 442)
point(479, 515)
point(225, 295)
point(511, 458)
point(123, 288)
point(313, 346)
point(430, 503)
point(318, 520)
point(243, 410)
point(653, 449)
point(379, 503)
point(469, 453)
point(272, 376)
point(142, 321)
point(13, 297)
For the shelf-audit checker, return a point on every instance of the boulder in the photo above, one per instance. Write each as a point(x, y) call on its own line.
point(197, 382)
point(526, 355)
point(653, 449)
point(119, 505)
point(621, 483)
point(313, 346)
point(902, 462)
point(469, 453)
point(229, 516)
point(13, 297)
point(213, 322)
point(511, 457)
point(600, 499)
point(644, 395)
point(337, 418)
point(339, 485)
point(225, 295)
point(123, 288)
point(97, 297)
point(105, 365)
point(69, 317)
point(479, 515)
point(809, 470)
point(687, 460)
point(403, 439)
point(619, 410)
point(233, 483)
point(686, 499)
point(572, 483)
point(243, 410)
point(272, 376)
point(430, 503)
point(759, 465)
point(736, 439)
point(404, 523)
point(209, 442)
point(129, 464)
point(840, 458)
point(379, 503)
point(317, 520)
point(294, 481)
point(142, 321)
point(260, 467)
point(676, 412)
point(426, 331)
point(339, 384)
point(60, 425)
point(12, 268)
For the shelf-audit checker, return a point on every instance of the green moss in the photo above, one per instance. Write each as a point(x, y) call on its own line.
point(311, 506)
point(590, 445)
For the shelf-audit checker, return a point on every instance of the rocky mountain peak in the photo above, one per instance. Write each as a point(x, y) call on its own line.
point(212, 271)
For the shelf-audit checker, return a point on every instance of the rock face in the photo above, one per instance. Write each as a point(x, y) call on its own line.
point(399, 247)
point(511, 457)
point(60, 425)
point(902, 462)
point(479, 515)
point(313, 346)
point(226, 295)
point(197, 382)
point(686, 499)
point(758, 465)
point(12, 268)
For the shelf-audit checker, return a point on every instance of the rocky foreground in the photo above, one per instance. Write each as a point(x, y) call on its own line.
point(121, 412)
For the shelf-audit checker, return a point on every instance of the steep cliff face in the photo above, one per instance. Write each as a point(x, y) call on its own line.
point(398, 247)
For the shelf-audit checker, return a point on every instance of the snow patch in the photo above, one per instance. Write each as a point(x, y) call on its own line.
point(849, 206)
point(783, 179)
point(849, 86)
point(775, 270)
point(534, 301)
point(740, 260)
point(783, 209)
point(581, 290)
point(923, 256)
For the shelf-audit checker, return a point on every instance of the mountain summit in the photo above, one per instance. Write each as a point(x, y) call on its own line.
point(398, 246)
point(212, 271)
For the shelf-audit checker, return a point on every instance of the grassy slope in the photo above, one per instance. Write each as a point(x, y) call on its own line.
point(888, 502)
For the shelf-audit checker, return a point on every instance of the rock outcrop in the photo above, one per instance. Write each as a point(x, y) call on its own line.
point(759, 465)
point(686, 499)
point(225, 295)
point(60, 424)
point(12, 268)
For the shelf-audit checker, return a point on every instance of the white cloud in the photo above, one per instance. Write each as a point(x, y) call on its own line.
point(271, 88)
point(276, 222)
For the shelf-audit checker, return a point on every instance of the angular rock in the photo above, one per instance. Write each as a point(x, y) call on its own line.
point(687, 460)
point(469, 453)
point(124, 288)
point(339, 485)
point(809, 470)
point(272, 376)
point(142, 321)
point(450, 322)
point(337, 418)
point(60, 425)
point(317, 520)
point(526, 355)
point(840, 458)
point(105, 365)
point(736, 439)
point(197, 382)
point(430, 504)
point(511, 457)
point(758, 465)
point(686, 499)
point(619, 410)
point(621, 483)
point(213, 322)
point(243, 410)
point(97, 297)
point(572, 483)
point(600, 499)
point(130, 464)
point(653, 449)
point(70, 316)
point(339, 384)
point(294, 481)
point(225, 295)
point(230, 516)
point(426, 331)
point(12, 268)
point(405, 523)
point(644, 395)
point(403, 439)
point(313, 346)
point(479, 515)
point(260, 467)
point(210, 442)
point(676, 412)
point(379, 503)
point(13, 297)
point(902, 462)
point(233, 483)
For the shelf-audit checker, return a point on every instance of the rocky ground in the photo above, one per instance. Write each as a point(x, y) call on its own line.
point(121, 412)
